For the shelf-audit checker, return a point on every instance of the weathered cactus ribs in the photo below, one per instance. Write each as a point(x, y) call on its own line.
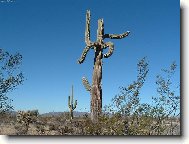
point(98, 46)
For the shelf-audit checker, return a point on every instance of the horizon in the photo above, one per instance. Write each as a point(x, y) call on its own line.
point(46, 33)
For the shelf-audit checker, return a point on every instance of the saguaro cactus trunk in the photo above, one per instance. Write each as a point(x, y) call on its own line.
point(98, 46)
point(96, 89)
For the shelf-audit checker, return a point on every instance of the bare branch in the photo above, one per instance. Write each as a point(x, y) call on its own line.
point(86, 84)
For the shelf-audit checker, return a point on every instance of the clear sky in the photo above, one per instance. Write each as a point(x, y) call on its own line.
point(50, 36)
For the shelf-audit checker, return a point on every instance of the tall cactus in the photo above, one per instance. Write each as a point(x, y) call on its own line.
point(98, 46)
point(71, 105)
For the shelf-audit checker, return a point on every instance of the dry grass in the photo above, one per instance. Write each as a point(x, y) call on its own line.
point(60, 125)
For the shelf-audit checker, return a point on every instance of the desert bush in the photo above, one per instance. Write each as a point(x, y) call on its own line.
point(142, 118)
point(24, 118)
point(167, 103)
point(10, 77)
point(127, 103)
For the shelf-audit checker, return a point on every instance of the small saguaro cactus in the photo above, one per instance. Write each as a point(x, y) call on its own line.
point(98, 46)
point(71, 105)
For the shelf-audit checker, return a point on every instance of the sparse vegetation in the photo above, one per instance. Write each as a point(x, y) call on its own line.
point(125, 116)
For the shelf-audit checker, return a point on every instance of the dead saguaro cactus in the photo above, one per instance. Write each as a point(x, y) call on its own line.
point(98, 46)
point(71, 105)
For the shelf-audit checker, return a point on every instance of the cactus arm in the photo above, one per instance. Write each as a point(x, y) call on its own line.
point(100, 31)
point(72, 97)
point(86, 84)
point(75, 104)
point(69, 105)
point(117, 36)
point(110, 51)
point(87, 29)
point(85, 51)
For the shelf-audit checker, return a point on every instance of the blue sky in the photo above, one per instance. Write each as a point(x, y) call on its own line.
point(50, 36)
